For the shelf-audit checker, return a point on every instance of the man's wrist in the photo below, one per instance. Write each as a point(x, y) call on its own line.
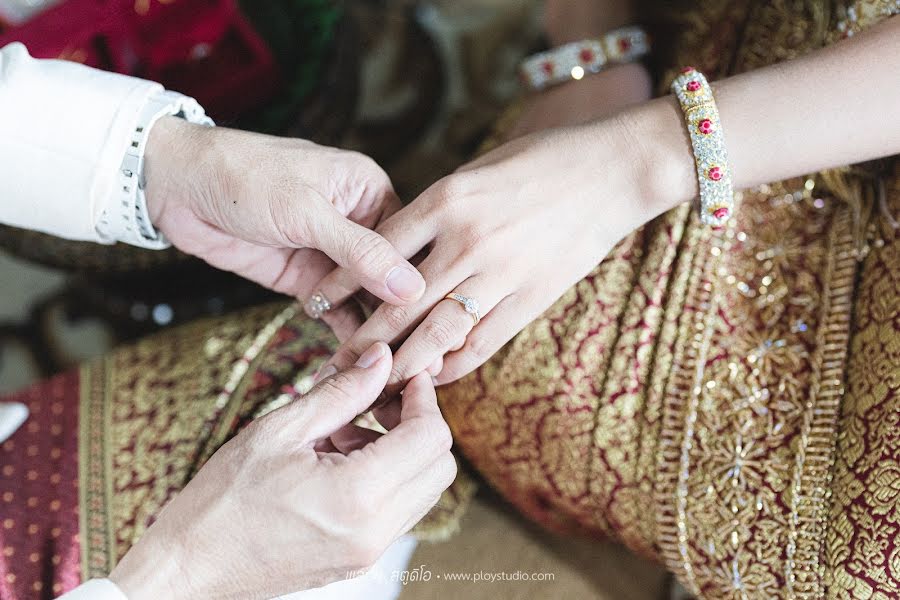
point(170, 152)
point(148, 572)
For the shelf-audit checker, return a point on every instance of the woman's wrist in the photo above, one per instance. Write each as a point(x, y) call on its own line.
point(626, 81)
point(628, 168)
point(657, 155)
point(804, 128)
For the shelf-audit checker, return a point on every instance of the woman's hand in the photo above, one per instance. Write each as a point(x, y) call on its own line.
point(513, 230)
point(277, 211)
point(517, 227)
point(274, 511)
point(594, 97)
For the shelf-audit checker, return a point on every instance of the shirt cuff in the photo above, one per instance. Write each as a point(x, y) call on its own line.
point(95, 589)
point(65, 128)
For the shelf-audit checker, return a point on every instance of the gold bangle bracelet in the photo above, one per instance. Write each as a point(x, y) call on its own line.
point(708, 143)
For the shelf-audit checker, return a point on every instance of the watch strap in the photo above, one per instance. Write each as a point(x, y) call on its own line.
point(126, 218)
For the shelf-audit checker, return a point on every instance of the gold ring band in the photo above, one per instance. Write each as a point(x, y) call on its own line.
point(469, 304)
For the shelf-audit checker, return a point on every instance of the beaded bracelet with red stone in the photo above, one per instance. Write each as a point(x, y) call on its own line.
point(708, 142)
point(575, 60)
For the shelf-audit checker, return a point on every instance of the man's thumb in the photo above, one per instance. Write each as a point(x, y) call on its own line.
point(340, 397)
point(369, 257)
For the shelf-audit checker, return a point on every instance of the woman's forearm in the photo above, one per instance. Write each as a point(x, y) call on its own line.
point(573, 20)
point(833, 107)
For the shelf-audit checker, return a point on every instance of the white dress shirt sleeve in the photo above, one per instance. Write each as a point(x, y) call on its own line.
point(95, 589)
point(64, 129)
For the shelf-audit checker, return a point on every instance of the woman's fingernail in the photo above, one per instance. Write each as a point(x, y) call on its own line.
point(324, 373)
point(371, 356)
point(405, 283)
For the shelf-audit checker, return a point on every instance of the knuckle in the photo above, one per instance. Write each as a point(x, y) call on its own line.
point(451, 189)
point(473, 236)
point(436, 435)
point(439, 332)
point(349, 352)
point(479, 347)
point(365, 163)
point(449, 469)
point(366, 249)
point(443, 437)
point(337, 387)
point(288, 222)
point(377, 175)
point(369, 178)
point(397, 318)
point(269, 427)
point(400, 373)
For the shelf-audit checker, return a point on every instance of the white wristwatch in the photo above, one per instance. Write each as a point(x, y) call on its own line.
point(125, 218)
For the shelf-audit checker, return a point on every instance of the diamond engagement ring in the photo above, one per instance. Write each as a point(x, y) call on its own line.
point(470, 304)
point(317, 305)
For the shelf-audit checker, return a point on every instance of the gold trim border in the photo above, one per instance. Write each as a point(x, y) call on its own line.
point(810, 487)
point(680, 402)
point(225, 419)
point(94, 482)
point(810, 497)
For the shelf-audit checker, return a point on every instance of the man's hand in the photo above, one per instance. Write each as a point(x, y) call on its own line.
point(278, 211)
point(280, 509)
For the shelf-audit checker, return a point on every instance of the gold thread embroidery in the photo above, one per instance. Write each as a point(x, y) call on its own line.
point(815, 455)
point(230, 398)
point(671, 523)
point(161, 393)
point(95, 485)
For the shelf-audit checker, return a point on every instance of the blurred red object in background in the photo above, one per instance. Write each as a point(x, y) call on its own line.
point(202, 48)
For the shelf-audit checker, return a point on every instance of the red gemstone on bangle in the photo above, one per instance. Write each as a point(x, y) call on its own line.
point(692, 85)
point(705, 126)
point(548, 68)
point(587, 56)
point(721, 213)
point(624, 44)
point(687, 70)
point(715, 173)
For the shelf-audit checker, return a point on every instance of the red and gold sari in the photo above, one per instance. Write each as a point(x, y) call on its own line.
point(727, 403)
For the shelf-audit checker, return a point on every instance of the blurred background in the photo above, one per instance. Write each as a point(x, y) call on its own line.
point(415, 84)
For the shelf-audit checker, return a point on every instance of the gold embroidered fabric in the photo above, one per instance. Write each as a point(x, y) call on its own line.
point(726, 402)
point(862, 549)
point(153, 413)
point(693, 397)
